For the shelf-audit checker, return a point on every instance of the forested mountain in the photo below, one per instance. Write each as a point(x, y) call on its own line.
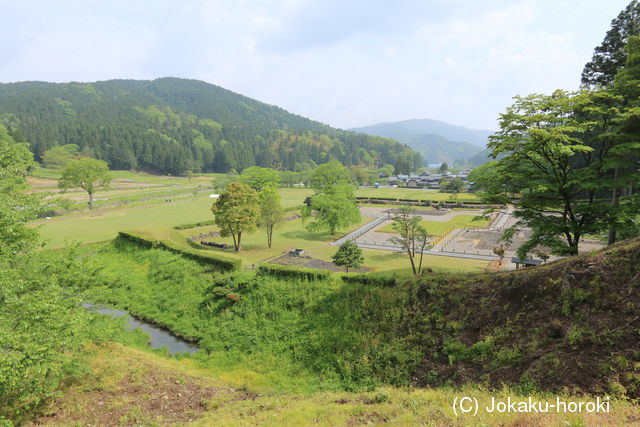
point(436, 141)
point(172, 125)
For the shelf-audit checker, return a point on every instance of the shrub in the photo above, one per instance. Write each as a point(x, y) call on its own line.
point(132, 237)
point(195, 224)
point(220, 261)
point(370, 279)
point(224, 263)
point(278, 270)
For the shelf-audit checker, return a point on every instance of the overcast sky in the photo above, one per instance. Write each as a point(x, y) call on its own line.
point(343, 62)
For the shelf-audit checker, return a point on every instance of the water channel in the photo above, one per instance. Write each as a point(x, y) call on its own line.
point(159, 337)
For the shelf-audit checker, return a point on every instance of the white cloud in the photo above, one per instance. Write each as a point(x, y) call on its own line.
point(344, 63)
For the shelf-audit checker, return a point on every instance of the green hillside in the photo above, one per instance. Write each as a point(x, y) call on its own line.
point(172, 125)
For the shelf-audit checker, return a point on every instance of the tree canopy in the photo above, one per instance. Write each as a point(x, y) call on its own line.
point(259, 178)
point(559, 153)
point(611, 56)
point(454, 185)
point(16, 207)
point(412, 237)
point(85, 173)
point(331, 209)
point(348, 255)
point(58, 157)
point(41, 332)
point(237, 211)
point(328, 174)
point(271, 212)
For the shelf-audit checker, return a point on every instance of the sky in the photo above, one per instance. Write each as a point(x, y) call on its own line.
point(346, 63)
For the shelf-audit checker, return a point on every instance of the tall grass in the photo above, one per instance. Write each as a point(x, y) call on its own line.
point(285, 334)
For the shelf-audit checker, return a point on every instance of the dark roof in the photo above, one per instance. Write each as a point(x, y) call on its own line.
point(517, 260)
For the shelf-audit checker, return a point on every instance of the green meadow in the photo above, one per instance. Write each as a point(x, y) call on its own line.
point(150, 213)
point(419, 194)
point(439, 229)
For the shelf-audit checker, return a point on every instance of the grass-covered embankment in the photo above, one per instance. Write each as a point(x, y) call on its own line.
point(569, 325)
point(125, 386)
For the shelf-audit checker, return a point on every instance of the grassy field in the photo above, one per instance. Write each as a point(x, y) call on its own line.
point(413, 194)
point(125, 385)
point(289, 235)
point(292, 234)
point(52, 174)
point(144, 208)
point(439, 229)
point(104, 224)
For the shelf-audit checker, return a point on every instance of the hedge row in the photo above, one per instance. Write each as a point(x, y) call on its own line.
point(220, 261)
point(370, 279)
point(137, 239)
point(279, 270)
point(195, 224)
point(360, 199)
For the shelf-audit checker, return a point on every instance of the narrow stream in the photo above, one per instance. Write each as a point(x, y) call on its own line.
point(159, 337)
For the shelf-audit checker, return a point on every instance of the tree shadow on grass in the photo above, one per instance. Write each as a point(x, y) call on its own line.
point(387, 256)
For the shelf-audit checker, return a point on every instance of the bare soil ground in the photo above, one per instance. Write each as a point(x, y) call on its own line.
point(310, 262)
point(136, 393)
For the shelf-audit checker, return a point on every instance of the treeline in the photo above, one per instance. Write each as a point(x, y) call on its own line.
point(173, 126)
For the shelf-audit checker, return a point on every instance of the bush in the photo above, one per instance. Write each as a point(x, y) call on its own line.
point(195, 224)
point(365, 199)
point(278, 270)
point(224, 263)
point(147, 243)
point(220, 261)
point(370, 279)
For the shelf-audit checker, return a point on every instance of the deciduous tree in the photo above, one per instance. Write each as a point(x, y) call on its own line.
point(331, 209)
point(271, 212)
point(329, 174)
point(413, 238)
point(454, 186)
point(41, 332)
point(259, 178)
point(237, 211)
point(89, 174)
point(58, 157)
point(348, 255)
point(556, 166)
point(16, 206)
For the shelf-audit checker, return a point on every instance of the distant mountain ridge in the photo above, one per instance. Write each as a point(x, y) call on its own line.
point(173, 125)
point(436, 141)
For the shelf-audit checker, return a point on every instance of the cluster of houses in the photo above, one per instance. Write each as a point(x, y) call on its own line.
point(425, 179)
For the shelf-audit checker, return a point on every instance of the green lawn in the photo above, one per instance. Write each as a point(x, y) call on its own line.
point(398, 262)
point(104, 224)
point(288, 235)
point(413, 194)
point(157, 218)
point(45, 173)
point(291, 234)
point(438, 229)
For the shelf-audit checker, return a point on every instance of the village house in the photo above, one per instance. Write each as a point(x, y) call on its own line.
point(426, 179)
